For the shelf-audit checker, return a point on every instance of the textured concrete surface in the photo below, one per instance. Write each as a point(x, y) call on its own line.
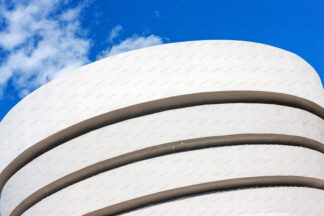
point(159, 72)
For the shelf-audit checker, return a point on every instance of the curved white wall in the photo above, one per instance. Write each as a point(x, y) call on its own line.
point(154, 73)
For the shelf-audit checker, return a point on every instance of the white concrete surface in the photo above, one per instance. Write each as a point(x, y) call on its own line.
point(153, 73)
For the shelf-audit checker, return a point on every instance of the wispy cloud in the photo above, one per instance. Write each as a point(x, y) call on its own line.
point(157, 13)
point(131, 43)
point(40, 40)
point(114, 33)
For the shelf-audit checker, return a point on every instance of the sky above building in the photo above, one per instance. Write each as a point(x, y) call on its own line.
point(43, 39)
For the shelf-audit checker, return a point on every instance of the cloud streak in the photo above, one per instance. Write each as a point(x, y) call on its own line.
point(41, 40)
point(131, 43)
point(114, 33)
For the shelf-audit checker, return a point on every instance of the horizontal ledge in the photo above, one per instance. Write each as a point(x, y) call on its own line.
point(160, 150)
point(223, 185)
point(147, 108)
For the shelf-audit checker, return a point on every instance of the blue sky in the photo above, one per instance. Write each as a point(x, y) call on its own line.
point(42, 39)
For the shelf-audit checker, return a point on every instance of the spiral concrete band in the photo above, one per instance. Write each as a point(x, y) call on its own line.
point(223, 185)
point(160, 150)
point(151, 107)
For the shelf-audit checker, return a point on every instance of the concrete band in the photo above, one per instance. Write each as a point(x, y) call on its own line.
point(215, 186)
point(151, 107)
point(160, 150)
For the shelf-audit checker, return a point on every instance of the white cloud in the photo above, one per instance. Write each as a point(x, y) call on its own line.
point(114, 33)
point(42, 41)
point(132, 43)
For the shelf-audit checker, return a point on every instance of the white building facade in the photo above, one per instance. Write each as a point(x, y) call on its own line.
point(242, 125)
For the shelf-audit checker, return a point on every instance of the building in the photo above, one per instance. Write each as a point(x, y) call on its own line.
point(245, 117)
